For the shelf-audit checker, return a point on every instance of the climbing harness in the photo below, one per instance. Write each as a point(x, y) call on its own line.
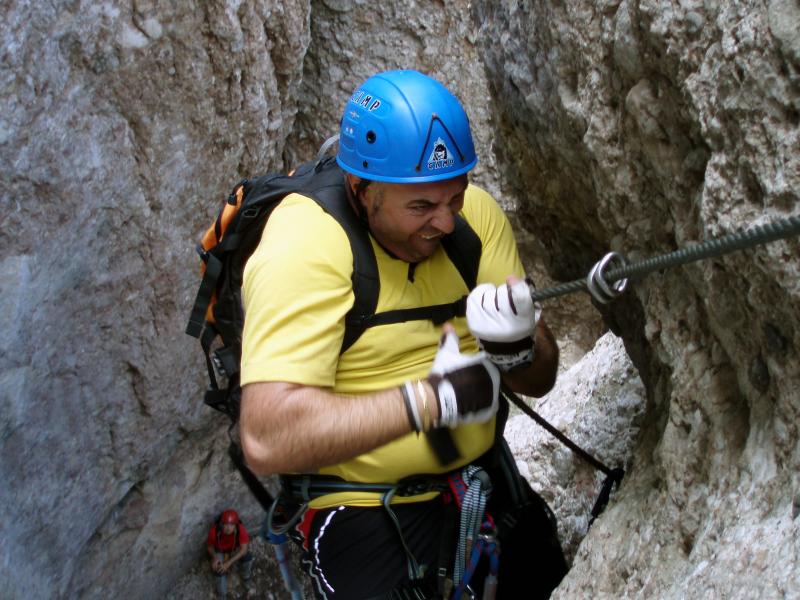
point(470, 488)
point(299, 490)
point(608, 278)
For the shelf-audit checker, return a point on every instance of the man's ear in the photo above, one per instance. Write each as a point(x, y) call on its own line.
point(352, 183)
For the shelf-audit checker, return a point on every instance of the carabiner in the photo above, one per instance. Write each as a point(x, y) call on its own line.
point(596, 283)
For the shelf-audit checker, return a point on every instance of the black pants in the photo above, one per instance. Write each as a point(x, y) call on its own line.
point(354, 553)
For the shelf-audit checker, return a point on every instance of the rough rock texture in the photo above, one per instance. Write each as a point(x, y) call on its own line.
point(598, 403)
point(638, 126)
point(265, 583)
point(642, 127)
point(120, 122)
point(350, 41)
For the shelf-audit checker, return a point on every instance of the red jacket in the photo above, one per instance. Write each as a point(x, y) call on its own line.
point(227, 543)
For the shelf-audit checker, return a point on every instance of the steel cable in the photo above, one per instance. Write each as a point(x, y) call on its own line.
point(761, 234)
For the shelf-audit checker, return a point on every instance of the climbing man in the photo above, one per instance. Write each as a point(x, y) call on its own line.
point(227, 545)
point(370, 414)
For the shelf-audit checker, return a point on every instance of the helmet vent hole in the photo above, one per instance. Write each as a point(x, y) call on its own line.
point(366, 164)
point(371, 137)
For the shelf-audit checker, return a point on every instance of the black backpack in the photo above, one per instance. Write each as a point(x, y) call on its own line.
point(217, 317)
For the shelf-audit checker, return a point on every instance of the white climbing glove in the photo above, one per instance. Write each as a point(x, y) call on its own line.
point(466, 386)
point(503, 320)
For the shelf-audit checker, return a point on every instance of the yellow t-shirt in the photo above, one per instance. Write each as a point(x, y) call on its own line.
point(297, 289)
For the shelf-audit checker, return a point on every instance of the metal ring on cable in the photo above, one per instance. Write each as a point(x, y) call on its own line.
point(598, 286)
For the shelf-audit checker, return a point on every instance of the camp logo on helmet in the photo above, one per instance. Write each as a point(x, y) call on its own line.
point(440, 156)
point(365, 100)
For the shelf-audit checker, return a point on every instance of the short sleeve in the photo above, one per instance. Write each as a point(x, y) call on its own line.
point(244, 538)
point(296, 291)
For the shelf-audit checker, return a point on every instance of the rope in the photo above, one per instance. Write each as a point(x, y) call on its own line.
point(485, 545)
point(471, 489)
point(600, 278)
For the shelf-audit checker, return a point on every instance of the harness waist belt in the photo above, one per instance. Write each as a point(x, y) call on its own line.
point(305, 488)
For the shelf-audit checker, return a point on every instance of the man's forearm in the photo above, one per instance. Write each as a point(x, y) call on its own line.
point(289, 428)
point(540, 377)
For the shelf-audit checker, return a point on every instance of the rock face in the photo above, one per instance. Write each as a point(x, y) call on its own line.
point(599, 403)
point(642, 127)
point(120, 123)
point(637, 126)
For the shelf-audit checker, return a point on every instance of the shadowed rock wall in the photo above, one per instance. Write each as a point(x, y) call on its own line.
point(643, 127)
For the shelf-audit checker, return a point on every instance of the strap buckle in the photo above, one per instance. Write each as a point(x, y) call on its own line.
point(225, 362)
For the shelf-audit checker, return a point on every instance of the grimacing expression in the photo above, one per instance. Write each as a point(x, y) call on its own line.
point(409, 219)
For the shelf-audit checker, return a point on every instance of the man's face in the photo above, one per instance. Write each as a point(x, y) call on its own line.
point(409, 220)
point(228, 528)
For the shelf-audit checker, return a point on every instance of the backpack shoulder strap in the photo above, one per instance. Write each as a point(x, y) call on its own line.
point(464, 248)
point(329, 192)
point(217, 530)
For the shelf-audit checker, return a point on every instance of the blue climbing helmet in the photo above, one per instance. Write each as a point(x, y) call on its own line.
point(405, 127)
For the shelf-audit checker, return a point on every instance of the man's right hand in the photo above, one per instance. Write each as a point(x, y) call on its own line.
point(466, 386)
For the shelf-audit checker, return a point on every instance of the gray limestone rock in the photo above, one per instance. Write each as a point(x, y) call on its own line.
point(120, 122)
point(647, 127)
point(598, 403)
point(638, 126)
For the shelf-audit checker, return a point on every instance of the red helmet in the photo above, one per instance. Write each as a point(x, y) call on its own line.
point(229, 516)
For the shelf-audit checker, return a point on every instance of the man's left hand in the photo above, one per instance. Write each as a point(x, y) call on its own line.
point(503, 320)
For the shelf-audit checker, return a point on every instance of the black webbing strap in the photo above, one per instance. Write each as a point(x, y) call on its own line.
point(615, 476)
point(518, 402)
point(207, 286)
point(227, 359)
point(612, 475)
point(206, 339)
point(261, 493)
point(232, 239)
point(366, 281)
point(217, 399)
point(447, 549)
point(464, 248)
point(441, 441)
point(438, 313)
